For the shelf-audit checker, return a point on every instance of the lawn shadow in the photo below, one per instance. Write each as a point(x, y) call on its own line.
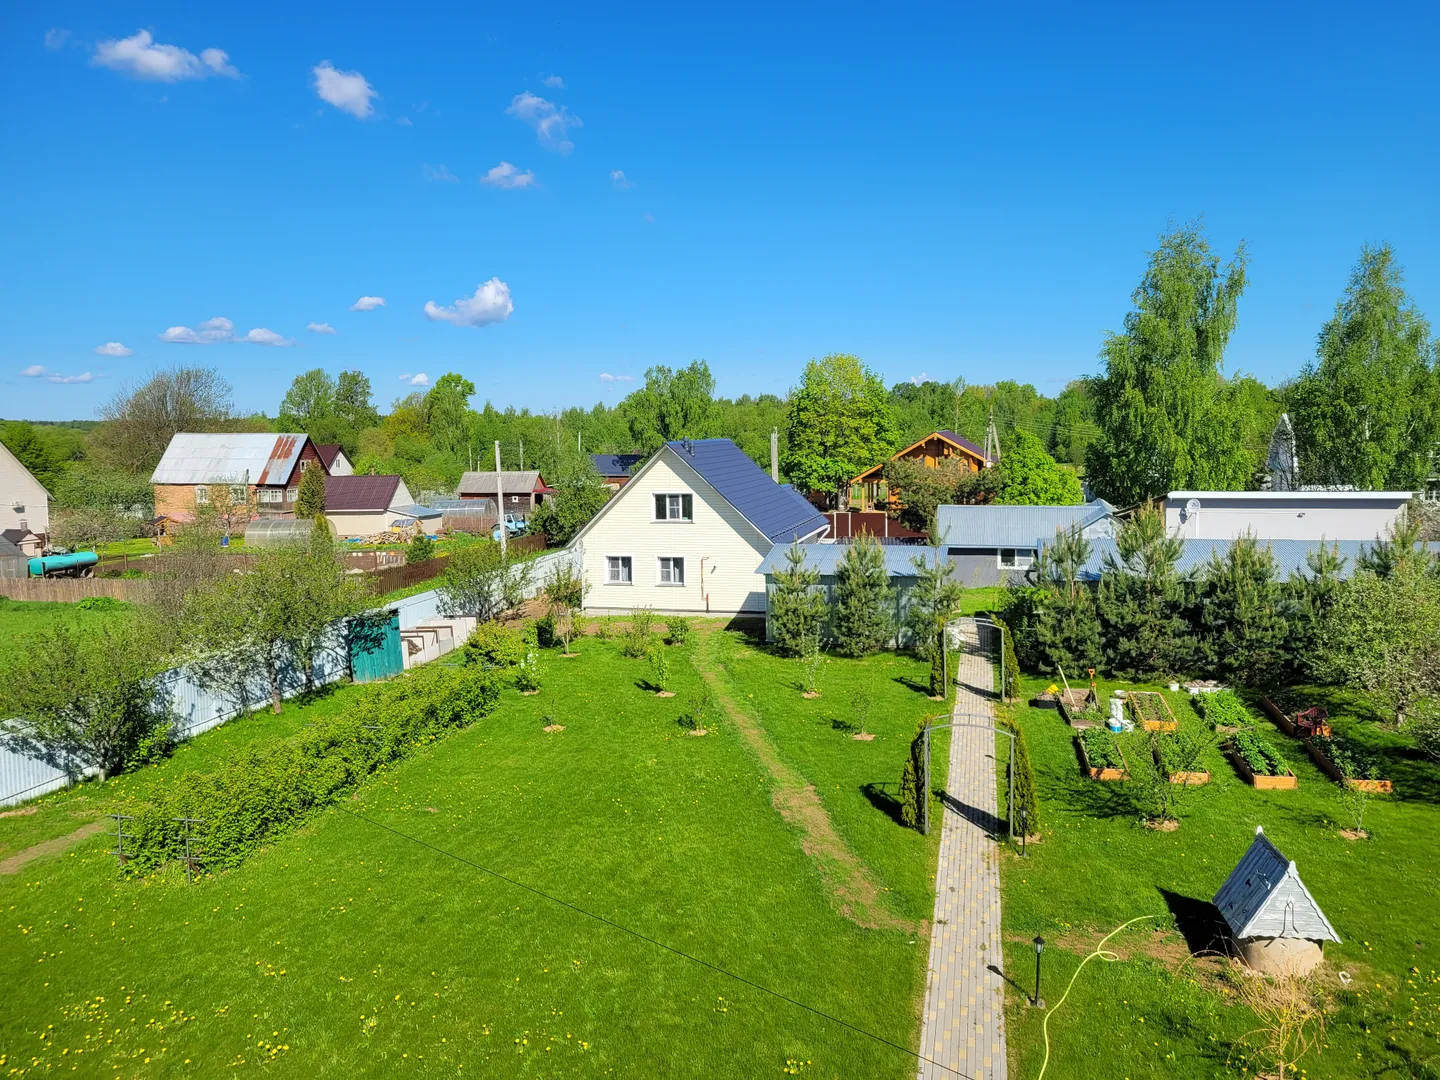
point(1018, 988)
point(837, 724)
point(1199, 923)
point(913, 684)
point(882, 800)
point(648, 686)
point(974, 814)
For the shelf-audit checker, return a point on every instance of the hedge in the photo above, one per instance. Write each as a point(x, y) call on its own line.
point(258, 795)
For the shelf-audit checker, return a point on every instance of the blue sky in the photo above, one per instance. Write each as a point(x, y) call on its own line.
point(947, 191)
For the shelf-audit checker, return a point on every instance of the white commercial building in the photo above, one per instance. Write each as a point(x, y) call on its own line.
point(1283, 515)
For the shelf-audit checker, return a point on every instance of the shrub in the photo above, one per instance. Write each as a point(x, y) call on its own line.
point(1426, 732)
point(1027, 795)
point(421, 549)
point(1012, 668)
point(699, 707)
point(545, 635)
point(1223, 707)
point(911, 780)
point(681, 630)
point(1259, 754)
point(661, 665)
point(102, 603)
point(527, 673)
point(1101, 748)
point(494, 646)
point(258, 795)
point(636, 641)
point(605, 627)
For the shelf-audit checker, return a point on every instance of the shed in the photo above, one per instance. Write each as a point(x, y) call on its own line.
point(522, 491)
point(996, 545)
point(364, 505)
point(1276, 922)
point(825, 559)
point(271, 532)
point(13, 563)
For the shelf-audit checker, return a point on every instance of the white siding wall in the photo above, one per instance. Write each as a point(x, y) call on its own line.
point(21, 497)
point(1325, 516)
point(730, 547)
point(356, 523)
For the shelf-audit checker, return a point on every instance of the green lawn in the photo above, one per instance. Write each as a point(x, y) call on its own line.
point(349, 949)
point(20, 617)
point(1156, 1014)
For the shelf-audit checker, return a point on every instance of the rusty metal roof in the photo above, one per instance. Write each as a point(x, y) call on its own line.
point(229, 457)
point(1264, 897)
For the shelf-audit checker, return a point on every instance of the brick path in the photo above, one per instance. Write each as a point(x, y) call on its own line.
point(964, 1027)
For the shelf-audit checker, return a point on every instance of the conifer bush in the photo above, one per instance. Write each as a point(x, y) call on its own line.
point(861, 618)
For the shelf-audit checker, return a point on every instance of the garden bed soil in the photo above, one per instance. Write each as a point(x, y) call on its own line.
point(1330, 769)
point(863, 736)
point(811, 695)
point(664, 693)
point(552, 728)
point(1108, 772)
point(1286, 724)
point(1074, 717)
point(1151, 710)
point(1259, 781)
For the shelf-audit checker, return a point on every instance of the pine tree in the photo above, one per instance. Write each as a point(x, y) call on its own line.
point(1066, 619)
point(797, 604)
point(912, 781)
point(1311, 601)
point(311, 498)
point(1241, 627)
point(934, 599)
point(861, 621)
point(1142, 600)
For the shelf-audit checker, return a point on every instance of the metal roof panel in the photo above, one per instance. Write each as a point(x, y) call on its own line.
point(778, 511)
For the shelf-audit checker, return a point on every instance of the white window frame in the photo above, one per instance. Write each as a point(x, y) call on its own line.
point(1022, 558)
point(667, 496)
point(239, 494)
point(660, 571)
point(202, 494)
point(609, 581)
point(271, 495)
point(291, 494)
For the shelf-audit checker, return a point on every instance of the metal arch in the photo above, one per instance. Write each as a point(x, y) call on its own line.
point(1009, 772)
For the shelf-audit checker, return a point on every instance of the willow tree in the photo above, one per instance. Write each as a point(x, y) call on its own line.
point(1165, 413)
point(1366, 410)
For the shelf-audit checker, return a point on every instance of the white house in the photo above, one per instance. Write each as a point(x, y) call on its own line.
point(365, 505)
point(1283, 515)
point(688, 532)
point(24, 505)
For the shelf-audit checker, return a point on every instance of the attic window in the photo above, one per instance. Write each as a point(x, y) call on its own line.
point(675, 507)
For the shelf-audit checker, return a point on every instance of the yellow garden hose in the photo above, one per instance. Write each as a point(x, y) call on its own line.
point(1103, 954)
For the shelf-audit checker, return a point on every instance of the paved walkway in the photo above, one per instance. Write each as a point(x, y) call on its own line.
point(964, 1028)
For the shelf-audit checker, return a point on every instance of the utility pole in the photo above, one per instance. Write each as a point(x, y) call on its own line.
point(500, 500)
point(992, 441)
point(775, 455)
point(522, 455)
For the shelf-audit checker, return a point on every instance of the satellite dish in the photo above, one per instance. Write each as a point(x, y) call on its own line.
point(1193, 506)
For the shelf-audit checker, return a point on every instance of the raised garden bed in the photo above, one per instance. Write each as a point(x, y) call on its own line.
point(1178, 776)
point(1082, 717)
point(1151, 711)
point(1343, 761)
point(1260, 764)
point(1305, 723)
point(1100, 755)
point(1223, 711)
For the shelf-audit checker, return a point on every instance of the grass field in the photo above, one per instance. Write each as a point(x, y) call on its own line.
point(20, 617)
point(408, 930)
point(1156, 1013)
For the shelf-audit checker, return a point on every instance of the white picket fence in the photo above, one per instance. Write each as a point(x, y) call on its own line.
point(25, 774)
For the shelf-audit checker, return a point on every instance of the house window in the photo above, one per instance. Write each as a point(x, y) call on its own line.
point(202, 495)
point(1016, 558)
point(237, 493)
point(271, 495)
point(672, 570)
point(291, 494)
point(618, 570)
point(675, 507)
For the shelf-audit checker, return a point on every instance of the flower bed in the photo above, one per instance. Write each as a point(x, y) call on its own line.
point(1151, 710)
point(1259, 763)
point(1347, 763)
point(1100, 755)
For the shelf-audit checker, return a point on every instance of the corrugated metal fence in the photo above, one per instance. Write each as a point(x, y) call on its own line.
point(26, 773)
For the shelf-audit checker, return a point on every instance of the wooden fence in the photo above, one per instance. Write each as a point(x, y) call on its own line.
point(70, 590)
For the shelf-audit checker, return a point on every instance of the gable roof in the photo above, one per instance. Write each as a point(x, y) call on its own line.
point(360, 492)
point(229, 456)
point(328, 453)
point(991, 526)
point(778, 511)
point(1264, 897)
point(8, 550)
point(515, 481)
point(20, 470)
point(957, 441)
point(615, 464)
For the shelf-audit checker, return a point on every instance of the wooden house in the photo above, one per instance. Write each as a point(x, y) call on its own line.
point(868, 491)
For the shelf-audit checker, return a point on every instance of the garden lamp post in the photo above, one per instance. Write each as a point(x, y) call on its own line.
point(1039, 948)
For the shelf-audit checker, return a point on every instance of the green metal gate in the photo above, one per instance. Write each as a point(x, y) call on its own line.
point(375, 648)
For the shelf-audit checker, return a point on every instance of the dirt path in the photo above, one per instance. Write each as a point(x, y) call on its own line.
point(13, 864)
point(855, 892)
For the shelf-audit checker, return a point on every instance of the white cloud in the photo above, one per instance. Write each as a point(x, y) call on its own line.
point(440, 173)
point(55, 38)
point(619, 179)
point(605, 376)
point(551, 122)
point(112, 348)
point(418, 379)
point(490, 304)
point(35, 371)
point(262, 336)
point(346, 90)
point(649, 219)
point(506, 175)
point(140, 58)
point(320, 328)
point(368, 303)
point(405, 121)
point(555, 82)
point(916, 380)
point(207, 333)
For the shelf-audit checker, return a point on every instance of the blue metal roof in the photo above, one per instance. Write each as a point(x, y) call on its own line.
point(616, 464)
point(826, 557)
point(990, 526)
point(415, 510)
point(780, 512)
point(1290, 555)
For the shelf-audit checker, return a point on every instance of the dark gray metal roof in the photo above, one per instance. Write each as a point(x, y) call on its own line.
point(826, 557)
point(1290, 555)
point(780, 512)
point(1264, 897)
point(616, 464)
point(516, 482)
point(990, 526)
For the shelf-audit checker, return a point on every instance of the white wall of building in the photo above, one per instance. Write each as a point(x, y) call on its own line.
point(720, 540)
point(1284, 515)
point(23, 502)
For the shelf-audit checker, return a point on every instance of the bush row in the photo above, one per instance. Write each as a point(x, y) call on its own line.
point(258, 795)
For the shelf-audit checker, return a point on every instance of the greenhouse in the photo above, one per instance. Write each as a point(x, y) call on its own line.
point(269, 532)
